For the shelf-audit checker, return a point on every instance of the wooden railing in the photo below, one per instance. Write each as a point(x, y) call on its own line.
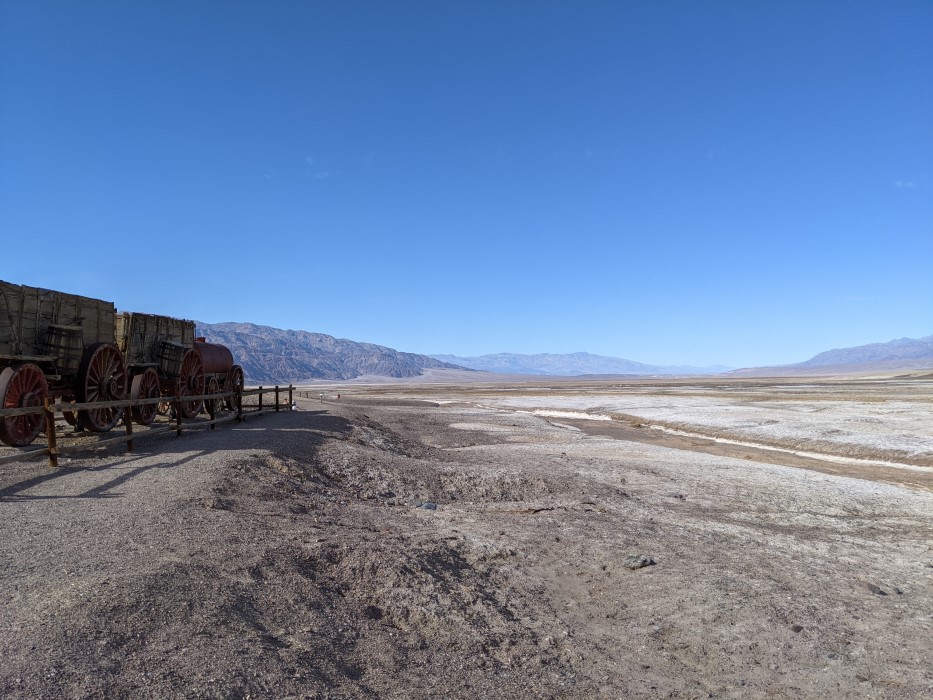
point(176, 424)
point(317, 395)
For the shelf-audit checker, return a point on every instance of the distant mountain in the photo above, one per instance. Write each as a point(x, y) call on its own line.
point(894, 350)
point(895, 355)
point(568, 365)
point(275, 356)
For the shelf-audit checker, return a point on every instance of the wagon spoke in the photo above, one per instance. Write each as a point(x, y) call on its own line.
point(22, 387)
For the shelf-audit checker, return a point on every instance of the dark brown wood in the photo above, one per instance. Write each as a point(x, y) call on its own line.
point(177, 415)
point(50, 434)
point(276, 398)
point(26, 411)
point(140, 336)
point(128, 420)
point(25, 454)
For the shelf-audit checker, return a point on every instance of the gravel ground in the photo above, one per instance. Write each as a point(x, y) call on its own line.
point(386, 547)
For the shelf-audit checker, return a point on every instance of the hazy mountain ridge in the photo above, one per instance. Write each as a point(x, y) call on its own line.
point(568, 365)
point(893, 350)
point(272, 355)
point(894, 355)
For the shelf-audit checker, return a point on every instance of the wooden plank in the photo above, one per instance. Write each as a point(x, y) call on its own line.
point(106, 442)
point(121, 403)
point(25, 454)
point(139, 336)
point(131, 434)
point(26, 313)
point(28, 411)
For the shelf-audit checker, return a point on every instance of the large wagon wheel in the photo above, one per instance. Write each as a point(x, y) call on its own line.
point(191, 382)
point(213, 405)
point(145, 386)
point(21, 387)
point(233, 382)
point(101, 377)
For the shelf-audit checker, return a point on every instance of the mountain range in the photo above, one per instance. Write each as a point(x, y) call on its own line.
point(894, 355)
point(275, 356)
point(568, 365)
point(901, 349)
point(272, 355)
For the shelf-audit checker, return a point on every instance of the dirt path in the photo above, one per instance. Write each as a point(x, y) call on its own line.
point(399, 551)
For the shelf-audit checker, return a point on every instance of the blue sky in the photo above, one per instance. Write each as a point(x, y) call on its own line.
point(743, 183)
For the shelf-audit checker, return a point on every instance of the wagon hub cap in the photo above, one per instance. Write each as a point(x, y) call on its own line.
point(110, 388)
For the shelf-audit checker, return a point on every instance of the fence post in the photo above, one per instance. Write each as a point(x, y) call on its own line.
point(210, 411)
point(291, 397)
point(239, 405)
point(128, 421)
point(260, 398)
point(50, 434)
point(177, 415)
point(276, 398)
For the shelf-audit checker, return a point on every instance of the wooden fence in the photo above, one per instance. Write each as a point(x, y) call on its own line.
point(176, 424)
point(316, 395)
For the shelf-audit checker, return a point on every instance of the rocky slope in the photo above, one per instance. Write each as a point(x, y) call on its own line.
point(272, 355)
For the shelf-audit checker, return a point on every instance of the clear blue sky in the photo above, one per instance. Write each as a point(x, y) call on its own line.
point(743, 183)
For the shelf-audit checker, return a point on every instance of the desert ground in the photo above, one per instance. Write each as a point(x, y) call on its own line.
point(686, 538)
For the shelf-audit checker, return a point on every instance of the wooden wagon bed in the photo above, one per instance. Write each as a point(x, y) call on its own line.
point(27, 314)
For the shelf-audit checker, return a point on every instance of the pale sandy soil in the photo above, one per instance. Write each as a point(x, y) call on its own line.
point(299, 555)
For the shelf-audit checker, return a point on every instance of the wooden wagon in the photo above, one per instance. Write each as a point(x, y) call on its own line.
point(57, 345)
point(78, 349)
point(166, 359)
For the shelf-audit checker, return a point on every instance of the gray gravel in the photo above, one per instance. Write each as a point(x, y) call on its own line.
point(287, 557)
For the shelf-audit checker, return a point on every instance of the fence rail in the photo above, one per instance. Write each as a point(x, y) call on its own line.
point(177, 425)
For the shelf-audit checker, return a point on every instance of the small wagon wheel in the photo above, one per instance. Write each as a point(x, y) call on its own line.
point(101, 377)
point(191, 382)
point(145, 386)
point(213, 405)
point(233, 382)
point(21, 387)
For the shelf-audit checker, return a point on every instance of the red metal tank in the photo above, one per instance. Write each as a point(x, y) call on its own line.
point(217, 359)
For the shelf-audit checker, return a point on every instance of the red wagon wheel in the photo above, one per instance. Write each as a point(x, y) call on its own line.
point(191, 382)
point(145, 386)
point(21, 387)
point(101, 377)
point(233, 382)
